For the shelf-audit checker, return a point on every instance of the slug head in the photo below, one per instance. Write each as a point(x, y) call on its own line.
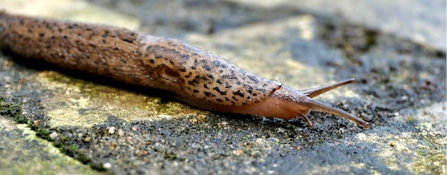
point(288, 103)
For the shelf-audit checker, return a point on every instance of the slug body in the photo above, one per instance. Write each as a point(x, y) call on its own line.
point(195, 76)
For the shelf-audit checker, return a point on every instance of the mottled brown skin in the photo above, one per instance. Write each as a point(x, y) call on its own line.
point(195, 76)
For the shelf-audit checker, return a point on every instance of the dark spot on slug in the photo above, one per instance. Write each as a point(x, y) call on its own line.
point(261, 89)
point(208, 94)
point(182, 69)
point(238, 93)
point(219, 100)
point(193, 82)
point(248, 88)
point(71, 26)
point(210, 76)
point(219, 81)
point(195, 91)
point(206, 66)
point(219, 91)
point(216, 63)
point(174, 51)
point(253, 78)
point(127, 40)
point(185, 57)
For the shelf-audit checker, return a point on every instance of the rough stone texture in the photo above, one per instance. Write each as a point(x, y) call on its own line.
point(401, 91)
point(22, 152)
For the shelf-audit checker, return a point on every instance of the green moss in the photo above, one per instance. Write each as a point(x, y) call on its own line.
point(73, 147)
point(65, 139)
point(42, 132)
point(82, 158)
point(12, 111)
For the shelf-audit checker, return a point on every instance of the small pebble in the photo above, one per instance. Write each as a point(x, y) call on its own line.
point(194, 120)
point(134, 128)
point(87, 140)
point(53, 135)
point(120, 132)
point(37, 122)
point(107, 165)
point(110, 130)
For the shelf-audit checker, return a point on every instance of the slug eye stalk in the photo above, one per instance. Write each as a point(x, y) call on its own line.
point(312, 104)
point(313, 92)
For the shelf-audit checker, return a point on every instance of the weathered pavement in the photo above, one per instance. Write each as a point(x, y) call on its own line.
point(57, 122)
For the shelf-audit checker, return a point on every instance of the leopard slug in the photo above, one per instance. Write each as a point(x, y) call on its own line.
point(195, 76)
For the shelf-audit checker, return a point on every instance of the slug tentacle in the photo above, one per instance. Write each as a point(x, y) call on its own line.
point(325, 108)
point(313, 92)
point(195, 76)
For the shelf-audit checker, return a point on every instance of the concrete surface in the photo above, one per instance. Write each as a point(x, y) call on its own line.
point(58, 122)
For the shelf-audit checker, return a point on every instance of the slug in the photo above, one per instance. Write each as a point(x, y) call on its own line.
point(195, 76)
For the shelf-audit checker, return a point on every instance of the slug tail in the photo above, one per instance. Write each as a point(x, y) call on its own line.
point(325, 108)
point(313, 92)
